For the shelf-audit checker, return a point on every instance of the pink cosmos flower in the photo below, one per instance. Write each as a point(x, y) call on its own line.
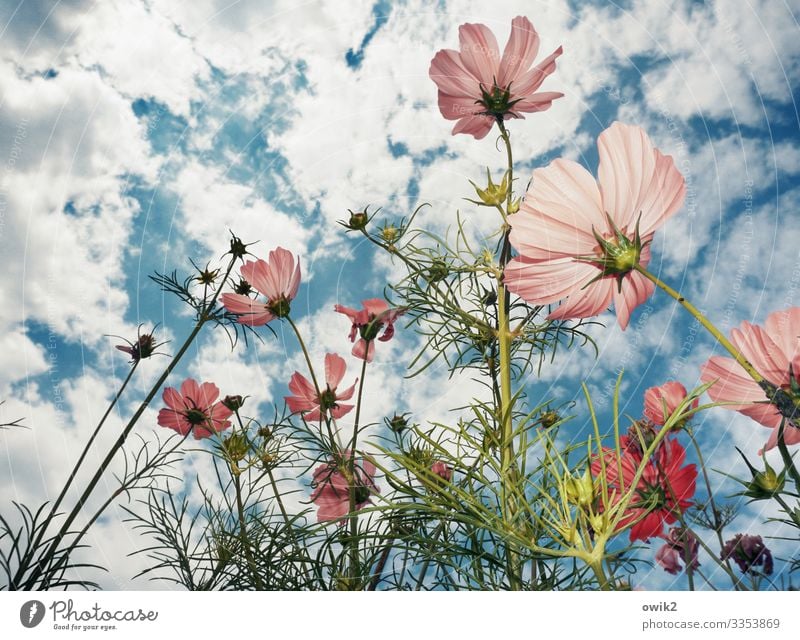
point(314, 406)
point(332, 488)
point(194, 409)
point(579, 239)
point(772, 350)
point(367, 323)
point(277, 280)
point(477, 87)
point(661, 402)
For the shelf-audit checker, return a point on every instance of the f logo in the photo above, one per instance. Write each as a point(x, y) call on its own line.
point(31, 613)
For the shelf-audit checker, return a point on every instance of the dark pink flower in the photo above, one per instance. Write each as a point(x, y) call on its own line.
point(772, 351)
point(332, 487)
point(661, 402)
point(477, 87)
point(314, 406)
point(277, 280)
point(194, 409)
point(579, 239)
point(680, 545)
point(749, 553)
point(368, 323)
point(444, 471)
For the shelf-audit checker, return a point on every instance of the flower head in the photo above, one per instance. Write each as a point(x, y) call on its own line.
point(194, 408)
point(582, 239)
point(277, 280)
point(368, 323)
point(332, 482)
point(774, 351)
point(477, 87)
point(681, 546)
point(315, 405)
point(748, 552)
point(661, 402)
point(664, 490)
point(443, 470)
point(144, 347)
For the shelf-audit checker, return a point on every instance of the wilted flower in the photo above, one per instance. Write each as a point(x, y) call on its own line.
point(582, 240)
point(144, 347)
point(680, 546)
point(443, 470)
point(774, 351)
point(748, 552)
point(194, 408)
point(332, 483)
point(477, 87)
point(315, 405)
point(278, 280)
point(661, 402)
point(368, 323)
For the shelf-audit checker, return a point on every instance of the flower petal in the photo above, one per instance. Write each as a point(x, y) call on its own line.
point(479, 53)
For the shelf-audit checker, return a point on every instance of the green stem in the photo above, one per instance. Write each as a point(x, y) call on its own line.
point(243, 539)
point(507, 458)
point(203, 317)
point(602, 580)
point(718, 335)
point(787, 458)
point(82, 457)
point(352, 472)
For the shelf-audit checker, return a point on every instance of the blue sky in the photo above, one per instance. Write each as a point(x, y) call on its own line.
point(134, 134)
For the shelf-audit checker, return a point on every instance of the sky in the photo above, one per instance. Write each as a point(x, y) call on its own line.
point(135, 133)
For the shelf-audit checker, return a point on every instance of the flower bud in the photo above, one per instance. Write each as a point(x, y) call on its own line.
point(493, 195)
point(234, 403)
point(397, 423)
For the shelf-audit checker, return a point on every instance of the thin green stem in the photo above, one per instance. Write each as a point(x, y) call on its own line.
point(203, 317)
point(354, 561)
point(718, 335)
point(243, 539)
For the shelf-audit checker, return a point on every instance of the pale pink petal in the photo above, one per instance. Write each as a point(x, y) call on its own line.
point(191, 390)
point(547, 282)
point(760, 350)
point(250, 312)
point(350, 313)
point(364, 350)
point(731, 383)
point(340, 410)
point(451, 76)
point(173, 420)
point(791, 435)
point(477, 126)
point(665, 196)
point(335, 368)
point(256, 272)
point(561, 208)
point(529, 82)
point(375, 306)
point(206, 394)
point(457, 107)
point(173, 399)
point(479, 53)
point(347, 393)
point(537, 102)
point(627, 166)
point(661, 402)
point(520, 51)
point(302, 388)
point(315, 415)
point(636, 289)
point(585, 303)
point(784, 329)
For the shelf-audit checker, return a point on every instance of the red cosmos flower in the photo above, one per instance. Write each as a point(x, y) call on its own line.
point(443, 470)
point(661, 402)
point(332, 488)
point(774, 351)
point(477, 87)
point(278, 280)
point(367, 323)
point(581, 239)
point(194, 409)
point(313, 406)
point(664, 490)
